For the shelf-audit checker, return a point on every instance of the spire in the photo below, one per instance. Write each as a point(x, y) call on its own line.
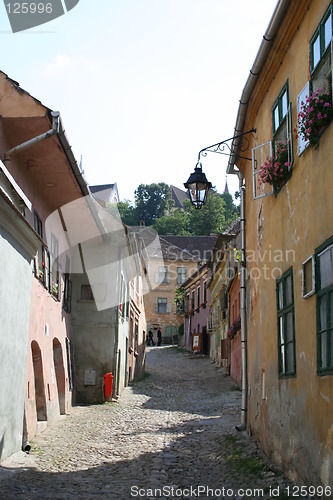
point(226, 189)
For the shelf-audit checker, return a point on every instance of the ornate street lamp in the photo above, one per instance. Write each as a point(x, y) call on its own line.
point(197, 184)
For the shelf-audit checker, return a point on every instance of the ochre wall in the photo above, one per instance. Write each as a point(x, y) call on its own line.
point(291, 417)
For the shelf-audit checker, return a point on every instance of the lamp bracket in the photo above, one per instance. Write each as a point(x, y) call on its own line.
point(223, 148)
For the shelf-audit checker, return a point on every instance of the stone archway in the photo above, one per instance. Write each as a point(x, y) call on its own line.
point(40, 399)
point(60, 375)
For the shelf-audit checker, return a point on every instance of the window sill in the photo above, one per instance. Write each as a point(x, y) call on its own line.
point(323, 372)
point(283, 376)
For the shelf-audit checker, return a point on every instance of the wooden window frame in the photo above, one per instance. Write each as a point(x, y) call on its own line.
point(327, 291)
point(282, 313)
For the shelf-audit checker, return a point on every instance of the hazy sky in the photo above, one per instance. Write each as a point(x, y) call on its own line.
point(142, 85)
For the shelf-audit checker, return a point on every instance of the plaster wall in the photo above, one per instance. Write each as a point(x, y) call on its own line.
point(290, 416)
point(94, 334)
point(48, 324)
point(15, 294)
point(166, 290)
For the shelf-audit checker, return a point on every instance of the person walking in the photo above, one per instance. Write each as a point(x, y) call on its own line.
point(159, 337)
point(150, 338)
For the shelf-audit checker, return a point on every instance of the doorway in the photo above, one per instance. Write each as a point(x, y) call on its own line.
point(60, 375)
point(39, 382)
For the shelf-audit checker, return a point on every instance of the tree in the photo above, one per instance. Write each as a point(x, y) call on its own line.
point(210, 219)
point(152, 201)
point(177, 222)
point(128, 213)
point(231, 211)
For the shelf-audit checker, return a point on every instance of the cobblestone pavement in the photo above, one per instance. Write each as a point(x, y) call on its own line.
point(170, 435)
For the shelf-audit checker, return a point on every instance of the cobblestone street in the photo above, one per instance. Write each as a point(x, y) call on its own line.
point(175, 429)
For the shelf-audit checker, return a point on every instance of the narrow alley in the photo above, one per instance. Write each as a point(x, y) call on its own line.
point(170, 435)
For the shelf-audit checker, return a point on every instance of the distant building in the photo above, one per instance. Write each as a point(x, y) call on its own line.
point(105, 193)
point(178, 196)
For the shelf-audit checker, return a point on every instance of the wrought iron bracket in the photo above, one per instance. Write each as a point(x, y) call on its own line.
point(223, 148)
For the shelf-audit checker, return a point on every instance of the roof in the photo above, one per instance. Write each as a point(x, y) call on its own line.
point(199, 246)
point(103, 191)
point(234, 228)
point(170, 251)
point(178, 196)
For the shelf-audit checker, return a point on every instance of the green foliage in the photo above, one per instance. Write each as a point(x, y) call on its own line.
point(152, 201)
point(210, 219)
point(231, 211)
point(128, 213)
point(154, 205)
point(177, 222)
point(181, 330)
point(179, 299)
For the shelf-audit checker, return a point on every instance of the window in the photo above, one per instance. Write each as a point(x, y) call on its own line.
point(286, 324)
point(181, 275)
point(67, 298)
point(320, 53)
point(324, 289)
point(38, 224)
point(54, 267)
point(280, 110)
point(162, 275)
point(123, 299)
point(301, 98)
point(162, 305)
point(198, 297)
point(205, 292)
point(192, 300)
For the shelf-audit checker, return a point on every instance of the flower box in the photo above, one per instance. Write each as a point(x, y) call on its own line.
point(315, 115)
point(276, 169)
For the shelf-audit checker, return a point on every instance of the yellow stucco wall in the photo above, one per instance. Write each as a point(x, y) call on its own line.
point(291, 417)
point(166, 290)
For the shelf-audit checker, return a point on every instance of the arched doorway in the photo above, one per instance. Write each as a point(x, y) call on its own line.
point(60, 375)
point(39, 382)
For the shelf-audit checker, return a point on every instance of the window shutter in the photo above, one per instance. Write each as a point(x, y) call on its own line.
point(290, 137)
point(301, 143)
point(259, 155)
point(308, 277)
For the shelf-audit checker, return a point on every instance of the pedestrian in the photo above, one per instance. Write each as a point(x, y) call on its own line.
point(150, 338)
point(159, 337)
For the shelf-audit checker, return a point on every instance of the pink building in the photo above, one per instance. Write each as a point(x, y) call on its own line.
point(36, 154)
point(197, 301)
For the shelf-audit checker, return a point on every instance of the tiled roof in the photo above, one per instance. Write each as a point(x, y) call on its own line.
point(178, 196)
point(234, 228)
point(199, 246)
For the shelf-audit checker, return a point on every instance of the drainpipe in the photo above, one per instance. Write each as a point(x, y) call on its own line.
point(243, 304)
point(25, 145)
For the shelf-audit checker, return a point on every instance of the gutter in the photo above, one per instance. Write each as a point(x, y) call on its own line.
point(257, 66)
point(25, 145)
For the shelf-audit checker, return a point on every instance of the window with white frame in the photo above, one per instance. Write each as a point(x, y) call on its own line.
point(308, 277)
point(324, 291)
point(301, 100)
point(162, 276)
point(181, 275)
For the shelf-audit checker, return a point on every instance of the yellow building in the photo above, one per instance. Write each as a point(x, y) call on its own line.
point(289, 240)
point(179, 259)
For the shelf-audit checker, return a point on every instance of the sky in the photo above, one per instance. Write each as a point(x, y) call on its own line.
point(142, 85)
